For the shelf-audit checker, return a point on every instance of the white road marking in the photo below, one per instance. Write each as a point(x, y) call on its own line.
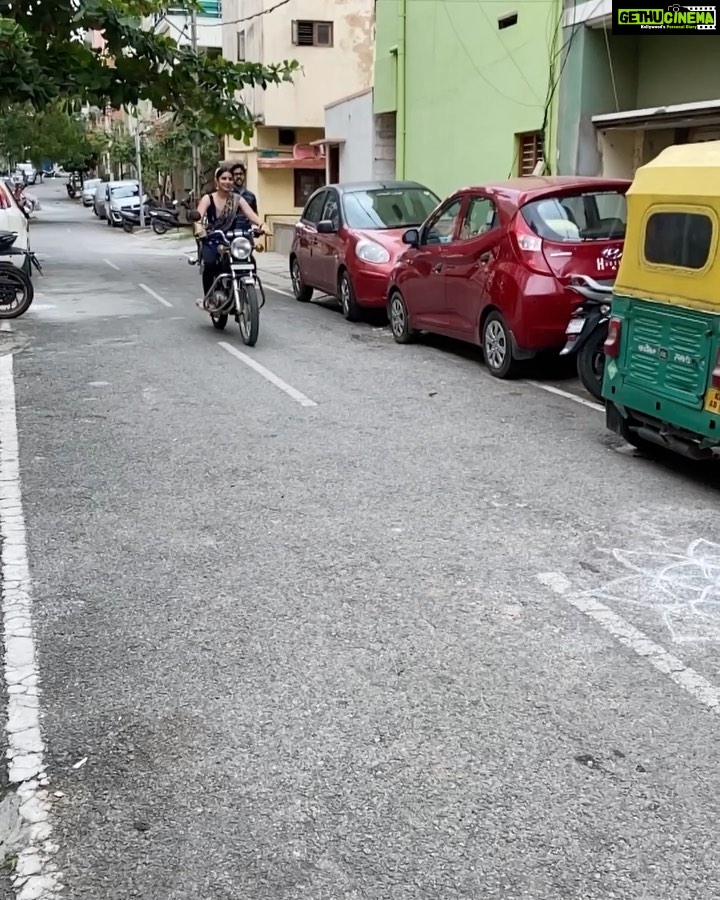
point(154, 294)
point(560, 393)
point(5, 326)
point(631, 637)
point(296, 395)
point(112, 265)
point(277, 290)
point(34, 874)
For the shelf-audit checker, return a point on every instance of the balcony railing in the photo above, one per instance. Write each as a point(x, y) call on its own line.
point(209, 9)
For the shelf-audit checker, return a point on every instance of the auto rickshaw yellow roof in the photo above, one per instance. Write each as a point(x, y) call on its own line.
point(686, 170)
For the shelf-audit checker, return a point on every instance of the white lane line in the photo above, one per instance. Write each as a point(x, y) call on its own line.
point(631, 637)
point(5, 326)
point(277, 290)
point(112, 265)
point(154, 294)
point(34, 874)
point(568, 396)
point(268, 375)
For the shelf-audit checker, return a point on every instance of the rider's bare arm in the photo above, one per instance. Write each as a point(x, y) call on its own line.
point(202, 209)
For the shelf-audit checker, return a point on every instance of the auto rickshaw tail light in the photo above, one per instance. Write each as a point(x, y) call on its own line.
point(715, 377)
point(612, 341)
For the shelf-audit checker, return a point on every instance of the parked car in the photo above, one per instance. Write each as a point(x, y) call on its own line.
point(121, 195)
point(492, 265)
point(12, 218)
point(350, 236)
point(101, 196)
point(89, 189)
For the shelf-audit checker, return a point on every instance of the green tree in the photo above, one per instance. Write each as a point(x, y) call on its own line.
point(43, 58)
point(55, 133)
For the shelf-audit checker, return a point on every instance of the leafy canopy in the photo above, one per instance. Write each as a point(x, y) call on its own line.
point(44, 58)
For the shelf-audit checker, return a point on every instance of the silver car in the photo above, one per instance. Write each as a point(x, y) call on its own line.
point(101, 195)
point(88, 191)
point(122, 195)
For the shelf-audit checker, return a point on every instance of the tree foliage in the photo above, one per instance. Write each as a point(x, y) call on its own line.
point(55, 133)
point(44, 58)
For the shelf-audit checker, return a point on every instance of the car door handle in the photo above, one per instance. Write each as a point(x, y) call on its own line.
point(485, 258)
point(437, 267)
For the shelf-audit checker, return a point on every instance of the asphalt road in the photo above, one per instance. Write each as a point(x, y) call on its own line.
point(351, 649)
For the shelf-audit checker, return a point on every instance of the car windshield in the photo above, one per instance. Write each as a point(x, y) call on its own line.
point(383, 209)
point(587, 216)
point(125, 190)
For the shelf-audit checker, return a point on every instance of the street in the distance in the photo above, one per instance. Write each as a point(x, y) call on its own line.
point(332, 618)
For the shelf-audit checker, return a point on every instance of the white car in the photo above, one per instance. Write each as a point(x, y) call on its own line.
point(12, 218)
point(122, 195)
point(89, 189)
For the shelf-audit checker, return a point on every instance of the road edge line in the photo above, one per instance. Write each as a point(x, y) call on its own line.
point(155, 295)
point(550, 389)
point(684, 676)
point(35, 876)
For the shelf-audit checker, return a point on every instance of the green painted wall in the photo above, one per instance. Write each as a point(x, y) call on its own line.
point(470, 87)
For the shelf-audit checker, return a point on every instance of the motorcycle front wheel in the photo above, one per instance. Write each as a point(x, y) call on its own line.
point(591, 364)
point(249, 316)
point(159, 227)
point(128, 227)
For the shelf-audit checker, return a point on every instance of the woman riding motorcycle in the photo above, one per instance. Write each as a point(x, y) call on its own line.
point(220, 210)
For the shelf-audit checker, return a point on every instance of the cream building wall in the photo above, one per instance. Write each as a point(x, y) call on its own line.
point(257, 33)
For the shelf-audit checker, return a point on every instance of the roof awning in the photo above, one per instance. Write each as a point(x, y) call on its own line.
point(327, 142)
point(291, 162)
point(678, 115)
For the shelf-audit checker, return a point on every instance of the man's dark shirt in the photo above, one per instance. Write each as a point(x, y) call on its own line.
point(242, 222)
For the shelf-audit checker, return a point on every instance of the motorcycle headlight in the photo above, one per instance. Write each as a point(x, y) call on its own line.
point(241, 248)
point(369, 251)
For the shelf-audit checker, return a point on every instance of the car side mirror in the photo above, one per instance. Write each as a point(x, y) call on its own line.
point(411, 237)
point(193, 216)
point(326, 227)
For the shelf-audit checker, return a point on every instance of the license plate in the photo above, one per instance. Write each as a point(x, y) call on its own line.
point(575, 326)
point(712, 401)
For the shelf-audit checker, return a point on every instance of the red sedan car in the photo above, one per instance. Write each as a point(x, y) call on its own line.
point(491, 265)
point(349, 238)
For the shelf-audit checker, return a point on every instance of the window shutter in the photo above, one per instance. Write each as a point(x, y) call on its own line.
point(530, 152)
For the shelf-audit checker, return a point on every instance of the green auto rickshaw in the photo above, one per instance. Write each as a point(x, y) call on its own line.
point(662, 369)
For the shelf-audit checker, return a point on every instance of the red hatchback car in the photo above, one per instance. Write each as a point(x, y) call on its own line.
point(491, 265)
point(349, 238)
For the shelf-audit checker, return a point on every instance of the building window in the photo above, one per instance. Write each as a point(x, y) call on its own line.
point(679, 239)
point(306, 182)
point(312, 34)
point(530, 151)
point(241, 46)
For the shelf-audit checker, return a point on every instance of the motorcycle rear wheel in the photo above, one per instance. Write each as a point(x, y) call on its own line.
point(128, 227)
point(249, 318)
point(591, 365)
point(11, 277)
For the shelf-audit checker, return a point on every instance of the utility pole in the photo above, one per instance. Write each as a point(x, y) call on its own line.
point(138, 166)
point(196, 161)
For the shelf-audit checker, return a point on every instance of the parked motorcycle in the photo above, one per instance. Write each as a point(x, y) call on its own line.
point(587, 330)
point(237, 290)
point(164, 218)
point(16, 287)
point(130, 217)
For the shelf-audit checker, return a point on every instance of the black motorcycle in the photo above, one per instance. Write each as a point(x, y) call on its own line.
point(130, 217)
point(16, 287)
point(587, 330)
point(237, 289)
point(164, 218)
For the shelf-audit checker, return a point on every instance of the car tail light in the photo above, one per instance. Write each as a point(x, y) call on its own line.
point(612, 341)
point(716, 372)
point(529, 247)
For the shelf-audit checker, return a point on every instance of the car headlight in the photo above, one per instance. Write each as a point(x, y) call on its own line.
point(369, 251)
point(241, 248)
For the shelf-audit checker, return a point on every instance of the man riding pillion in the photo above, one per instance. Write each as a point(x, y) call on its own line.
point(223, 210)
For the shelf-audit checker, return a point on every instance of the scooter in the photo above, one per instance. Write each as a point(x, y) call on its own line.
point(587, 330)
point(163, 219)
point(131, 218)
point(16, 288)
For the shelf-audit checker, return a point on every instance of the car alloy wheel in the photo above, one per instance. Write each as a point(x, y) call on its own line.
point(496, 347)
point(301, 291)
point(399, 322)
